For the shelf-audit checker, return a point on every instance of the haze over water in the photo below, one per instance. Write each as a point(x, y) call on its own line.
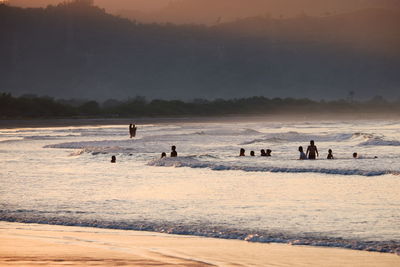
point(64, 176)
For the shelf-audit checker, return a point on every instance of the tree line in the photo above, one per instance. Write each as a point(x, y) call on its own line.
point(31, 106)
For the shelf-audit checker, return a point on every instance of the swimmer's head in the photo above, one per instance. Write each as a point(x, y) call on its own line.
point(355, 155)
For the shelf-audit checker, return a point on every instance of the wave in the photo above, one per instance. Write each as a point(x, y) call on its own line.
point(228, 132)
point(201, 133)
point(10, 141)
point(104, 133)
point(108, 146)
point(204, 229)
point(379, 141)
point(293, 136)
point(192, 162)
point(91, 144)
point(48, 137)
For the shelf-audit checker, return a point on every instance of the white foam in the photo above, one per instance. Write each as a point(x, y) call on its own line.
point(378, 141)
point(249, 167)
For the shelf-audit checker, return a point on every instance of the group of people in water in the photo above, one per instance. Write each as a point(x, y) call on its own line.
point(173, 153)
point(264, 153)
point(311, 152)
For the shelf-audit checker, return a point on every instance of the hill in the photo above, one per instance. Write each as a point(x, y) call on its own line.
point(215, 11)
point(78, 50)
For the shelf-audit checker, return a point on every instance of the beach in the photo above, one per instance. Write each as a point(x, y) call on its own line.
point(206, 206)
point(46, 245)
point(200, 133)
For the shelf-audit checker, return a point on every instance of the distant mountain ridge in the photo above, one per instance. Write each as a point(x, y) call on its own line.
point(212, 12)
point(215, 11)
point(80, 51)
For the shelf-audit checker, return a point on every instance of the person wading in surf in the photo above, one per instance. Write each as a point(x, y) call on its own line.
point(312, 151)
point(132, 130)
point(174, 154)
point(302, 155)
point(330, 155)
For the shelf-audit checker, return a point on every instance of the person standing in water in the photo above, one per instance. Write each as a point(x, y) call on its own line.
point(163, 155)
point(132, 130)
point(268, 154)
point(113, 159)
point(174, 154)
point(302, 155)
point(312, 151)
point(252, 154)
point(263, 154)
point(330, 155)
point(242, 151)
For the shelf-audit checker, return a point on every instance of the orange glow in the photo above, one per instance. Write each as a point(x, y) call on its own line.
point(215, 11)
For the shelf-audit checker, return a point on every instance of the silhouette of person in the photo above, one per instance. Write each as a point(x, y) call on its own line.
point(312, 151)
point(268, 152)
point(252, 153)
point(330, 155)
point(263, 154)
point(163, 155)
point(242, 151)
point(355, 155)
point(132, 130)
point(302, 155)
point(174, 154)
point(113, 159)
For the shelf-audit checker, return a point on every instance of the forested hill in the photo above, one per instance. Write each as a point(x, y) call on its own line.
point(77, 50)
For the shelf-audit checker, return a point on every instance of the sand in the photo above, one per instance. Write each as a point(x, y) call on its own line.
point(47, 245)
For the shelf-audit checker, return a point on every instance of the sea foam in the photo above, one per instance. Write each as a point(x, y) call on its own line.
point(191, 162)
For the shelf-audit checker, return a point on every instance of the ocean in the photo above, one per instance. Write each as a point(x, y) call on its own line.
point(63, 176)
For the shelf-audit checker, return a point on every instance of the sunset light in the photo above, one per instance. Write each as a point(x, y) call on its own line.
point(200, 133)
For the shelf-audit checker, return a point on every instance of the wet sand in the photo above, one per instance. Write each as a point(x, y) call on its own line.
point(46, 245)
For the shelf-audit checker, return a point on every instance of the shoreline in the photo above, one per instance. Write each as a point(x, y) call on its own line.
point(38, 245)
point(76, 122)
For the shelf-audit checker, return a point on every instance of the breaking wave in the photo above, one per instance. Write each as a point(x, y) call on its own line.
point(192, 162)
point(204, 229)
point(293, 136)
point(378, 141)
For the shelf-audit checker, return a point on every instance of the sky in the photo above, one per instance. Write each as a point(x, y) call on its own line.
point(213, 11)
point(112, 6)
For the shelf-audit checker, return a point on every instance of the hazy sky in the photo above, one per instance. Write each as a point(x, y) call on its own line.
point(111, 5)
point(211, 11)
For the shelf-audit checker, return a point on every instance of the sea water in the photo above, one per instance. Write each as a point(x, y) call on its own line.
point(64, 176)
